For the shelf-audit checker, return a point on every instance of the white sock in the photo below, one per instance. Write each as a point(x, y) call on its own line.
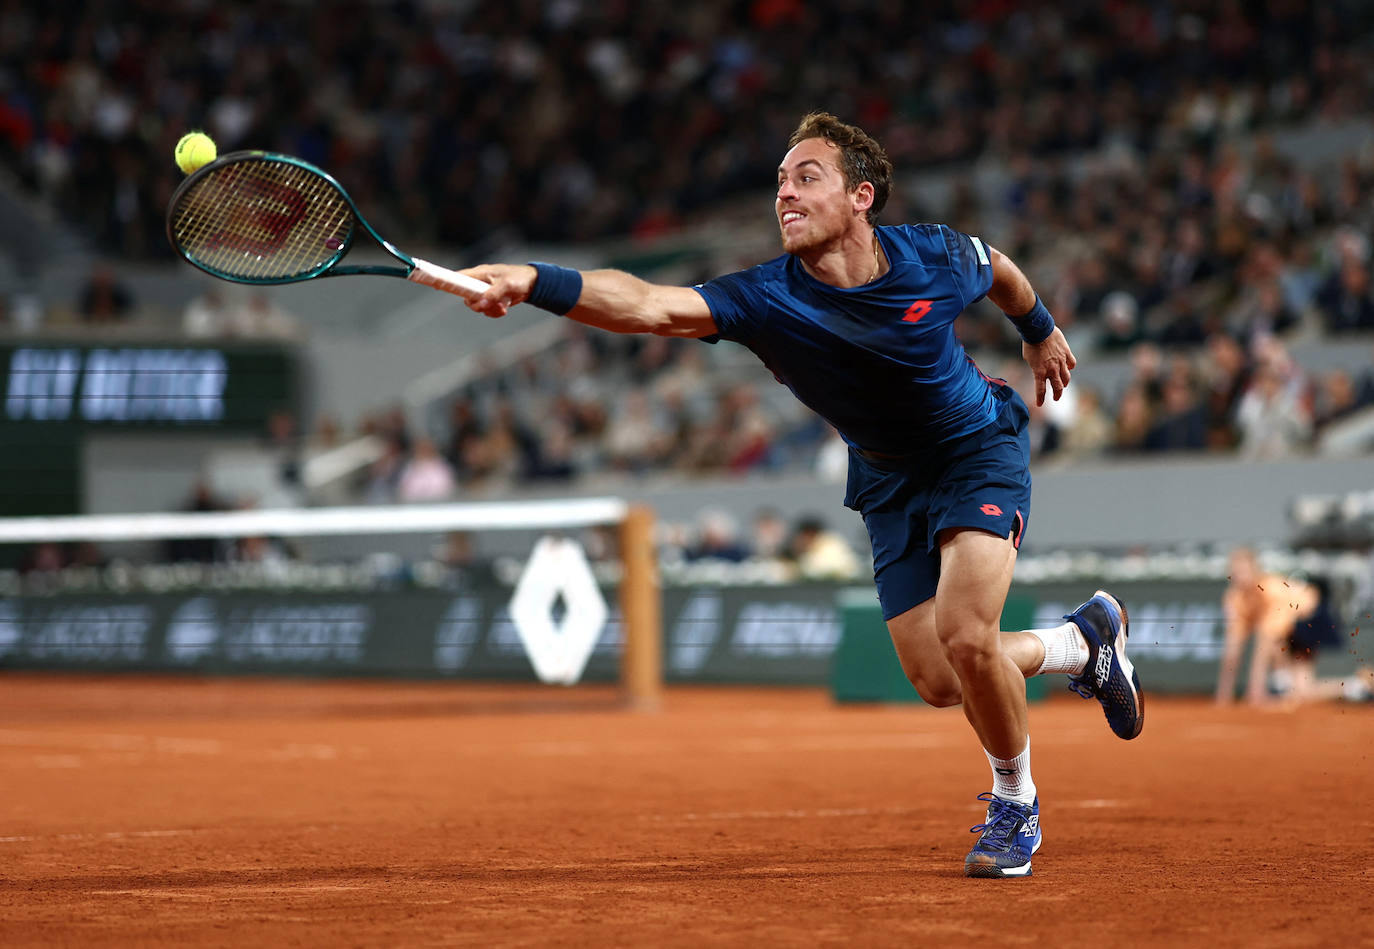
point(1011, 777)
point(1065, 649)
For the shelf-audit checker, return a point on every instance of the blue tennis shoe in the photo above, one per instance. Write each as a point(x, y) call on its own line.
point(1109, 676)
point(1008, 838)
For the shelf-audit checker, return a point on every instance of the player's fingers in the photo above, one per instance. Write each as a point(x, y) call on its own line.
point(1039, 389)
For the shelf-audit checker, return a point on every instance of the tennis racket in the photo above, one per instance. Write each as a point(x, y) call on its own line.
point(262, 218)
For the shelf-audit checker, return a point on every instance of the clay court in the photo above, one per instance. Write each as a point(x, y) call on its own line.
point(146, 811)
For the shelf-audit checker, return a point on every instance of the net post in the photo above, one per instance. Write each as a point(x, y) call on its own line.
point(641, 670)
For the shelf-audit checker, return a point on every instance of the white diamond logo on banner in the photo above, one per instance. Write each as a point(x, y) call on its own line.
point(558, 650)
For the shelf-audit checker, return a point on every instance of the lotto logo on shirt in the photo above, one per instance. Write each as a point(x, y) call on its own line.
point(917, 310)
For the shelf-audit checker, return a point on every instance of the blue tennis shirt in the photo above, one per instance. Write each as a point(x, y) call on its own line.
point(880, 362)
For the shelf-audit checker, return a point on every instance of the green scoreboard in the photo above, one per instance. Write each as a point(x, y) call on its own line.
point(56, 394)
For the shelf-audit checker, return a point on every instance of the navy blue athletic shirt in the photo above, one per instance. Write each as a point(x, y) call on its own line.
point(880, 361)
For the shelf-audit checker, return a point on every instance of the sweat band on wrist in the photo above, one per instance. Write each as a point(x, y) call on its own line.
point(556, 289)
point(1035, 326)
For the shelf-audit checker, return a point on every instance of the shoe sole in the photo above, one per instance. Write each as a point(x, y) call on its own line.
point(991, 871)
point(1137, 697)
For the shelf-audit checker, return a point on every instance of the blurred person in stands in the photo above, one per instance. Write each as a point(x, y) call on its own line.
point(105, 299)
point(857, 320)
point(384, 473)
point(1271, 415)
point(717, 538)
point(1089, 434)
point(1182, 422)
point(1347, 298)
point(832, 458)
point(1267, 610)
point(1336, 398)
point(1121, 327)
point(1134, 419)
point(1226, 376)
point(768, 540)
point(198, 549)
point(634, 436)
point(207, 315)
point(821, 553)
point(259, 317)
point(426, 475)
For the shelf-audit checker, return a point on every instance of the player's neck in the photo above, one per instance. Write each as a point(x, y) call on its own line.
point(853, 260)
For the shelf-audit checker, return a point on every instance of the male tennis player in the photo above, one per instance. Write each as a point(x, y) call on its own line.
point(857, 320)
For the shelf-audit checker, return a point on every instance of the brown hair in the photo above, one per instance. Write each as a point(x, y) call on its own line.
point(861, 158)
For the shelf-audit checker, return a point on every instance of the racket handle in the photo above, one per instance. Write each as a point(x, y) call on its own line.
point(441, 278)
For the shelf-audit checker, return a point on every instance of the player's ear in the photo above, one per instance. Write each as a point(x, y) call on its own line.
point(862, 196)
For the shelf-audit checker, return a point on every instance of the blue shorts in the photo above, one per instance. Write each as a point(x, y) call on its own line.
point(980, 481)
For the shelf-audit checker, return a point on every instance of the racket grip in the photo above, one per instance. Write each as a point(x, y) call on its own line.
point(441, 278)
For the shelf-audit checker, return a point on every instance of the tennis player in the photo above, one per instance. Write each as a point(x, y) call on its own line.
point(857, 320)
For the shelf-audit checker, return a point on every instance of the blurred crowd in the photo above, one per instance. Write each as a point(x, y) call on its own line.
point(597, 405)
point(564, 120)
point(1129, 154)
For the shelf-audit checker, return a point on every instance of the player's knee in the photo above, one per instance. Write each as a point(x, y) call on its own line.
point(938, 694)
point(969, 652)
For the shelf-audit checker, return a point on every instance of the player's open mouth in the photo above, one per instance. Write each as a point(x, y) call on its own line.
point(789, 216)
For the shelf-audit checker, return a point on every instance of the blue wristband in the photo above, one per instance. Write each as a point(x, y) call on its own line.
point(556, 289)
point(1035, 326)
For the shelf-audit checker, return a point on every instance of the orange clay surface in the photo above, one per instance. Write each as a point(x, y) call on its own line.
point(163, 812)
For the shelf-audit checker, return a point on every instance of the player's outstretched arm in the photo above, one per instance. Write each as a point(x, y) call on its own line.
point(1044, 347)
point(607, 299)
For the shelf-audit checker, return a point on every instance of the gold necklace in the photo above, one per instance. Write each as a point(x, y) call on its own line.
point(877, 261)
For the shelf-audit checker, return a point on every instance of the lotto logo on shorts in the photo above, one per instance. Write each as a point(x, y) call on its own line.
point(991, 510)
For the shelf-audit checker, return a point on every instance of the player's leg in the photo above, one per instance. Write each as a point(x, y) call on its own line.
point(907, 576)
point(927, 666)
point(975, 574)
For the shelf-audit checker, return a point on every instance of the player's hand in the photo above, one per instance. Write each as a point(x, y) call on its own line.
point(510, 284)
point(1050, 361)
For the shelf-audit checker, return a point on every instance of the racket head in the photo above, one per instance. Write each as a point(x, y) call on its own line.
point(262, 218)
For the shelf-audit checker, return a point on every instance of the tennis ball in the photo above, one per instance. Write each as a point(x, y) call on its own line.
point(195, 149)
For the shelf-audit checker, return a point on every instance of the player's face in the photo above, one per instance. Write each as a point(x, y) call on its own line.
point(813, 206)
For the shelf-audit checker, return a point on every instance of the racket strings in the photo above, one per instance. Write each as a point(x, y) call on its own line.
point(263, 220)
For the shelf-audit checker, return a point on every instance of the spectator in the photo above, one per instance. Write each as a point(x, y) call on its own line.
point(104, 299)
point(1182, 424)
point(769, 540)
point(1271, 418)
point(1337, 398)
point(1226, 376)
point(717, 538)
point(207, 315)
point(634, 440)
point(384, 474)
point(258, 317)
point(821, 553)
point(197, 549)
point(1120, 322)
point(1090, 432)
point(1347, 299)
point(1134, 419)
point(426, 476)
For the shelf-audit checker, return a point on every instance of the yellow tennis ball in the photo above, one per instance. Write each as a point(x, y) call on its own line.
point(195, 149)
